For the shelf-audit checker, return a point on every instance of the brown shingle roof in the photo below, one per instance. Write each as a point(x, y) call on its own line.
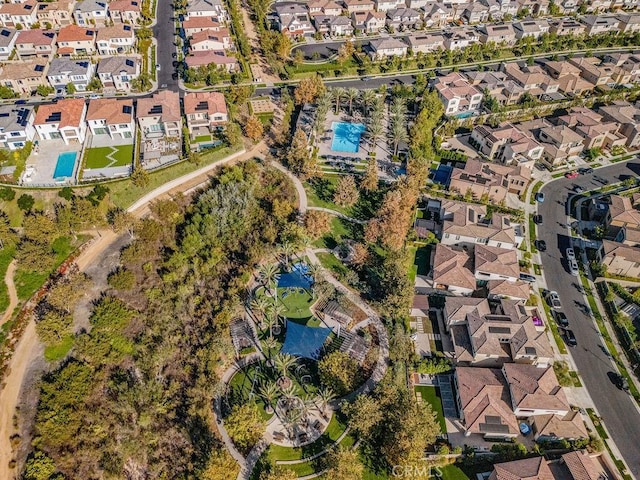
point(534, 387)
point(169, 103)
point(498, 261)
point(535, 468)
point(452, 266)
point(557, 426)
point(582, 466)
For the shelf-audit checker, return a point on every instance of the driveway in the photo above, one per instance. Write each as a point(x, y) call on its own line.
point(620, 412)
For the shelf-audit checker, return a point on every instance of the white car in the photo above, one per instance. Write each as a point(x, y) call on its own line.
point(571, 255)
point(553, 299)
point(573, 268)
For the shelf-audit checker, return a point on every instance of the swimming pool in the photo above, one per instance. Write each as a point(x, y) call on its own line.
point(346, 136)
point(65, 165)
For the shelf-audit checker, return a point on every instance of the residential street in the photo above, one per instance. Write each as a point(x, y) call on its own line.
point(164, 33)
point(621, 415)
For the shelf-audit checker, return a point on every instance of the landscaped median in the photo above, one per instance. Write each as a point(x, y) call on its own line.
point(552, 324)
point(603, 435)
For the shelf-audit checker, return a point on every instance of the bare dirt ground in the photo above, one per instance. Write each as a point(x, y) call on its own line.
point(13, 295)
point(250, 30)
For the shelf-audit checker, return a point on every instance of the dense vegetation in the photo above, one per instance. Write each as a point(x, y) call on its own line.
point(134, 398)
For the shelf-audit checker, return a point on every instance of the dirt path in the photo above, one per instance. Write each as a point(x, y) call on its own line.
point(13, 295)
point(252, 34)
point(29, 347)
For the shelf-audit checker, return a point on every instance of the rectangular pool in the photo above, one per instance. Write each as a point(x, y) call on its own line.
point(65, 165)
point(346, 136)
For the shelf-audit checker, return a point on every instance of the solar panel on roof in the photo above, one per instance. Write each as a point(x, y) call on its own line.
point(134, 3)
point(4, 114)
point(203, 105)
point(156, 109)
point(54, 117)
point(39, 68)
point(84, 64)
point(127, 109)
point(127, 28)
point(5, 33)
point(129, 63)
point(28, 7)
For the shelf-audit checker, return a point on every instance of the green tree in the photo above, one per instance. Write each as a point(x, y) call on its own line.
point(122, 279)
point(8, 237)
point(245, 425)
point(26, 202)
point(221, 465)
point(39, 467)
point(233, 134)
point(65, 294)
point(7, 92)
point(340, 372)
point(343, 464)
point(7, 194)
point(279, 473)
point(44, 90)
point(139, 177)
point(53, 327)
point(70, 88)
point(299, 158)
point(364, 414)
point(369, 182)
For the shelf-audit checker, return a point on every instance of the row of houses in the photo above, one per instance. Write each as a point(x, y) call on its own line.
point(578, 465)
point(207, 37)
point(159, 116)
point(61, 13)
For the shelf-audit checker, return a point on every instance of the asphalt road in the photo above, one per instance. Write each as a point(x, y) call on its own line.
point(164, 32)
point(590, 355)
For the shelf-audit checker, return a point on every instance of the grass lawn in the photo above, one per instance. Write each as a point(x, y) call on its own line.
point(532, 235)
point(240, 388)
point(431, 395)
point(320, 193)
point(6, 255)
point(58, 352)
point(452, 472)
point(297, 303)
point(339, 230)
point(203, 138)
point(124, 193)
point(331, 262)
point(534, 190)
point(101, 157)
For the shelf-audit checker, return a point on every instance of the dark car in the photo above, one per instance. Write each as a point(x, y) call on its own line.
point(585, 170)
point(525, 277)
point(541, 245)
point(21, 102)
point(540, 197)
point(537, 219)
point(571, 338)
point(560, 318)
point(619, 381)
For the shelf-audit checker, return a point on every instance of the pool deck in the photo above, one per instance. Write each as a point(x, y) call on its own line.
point(42, 162)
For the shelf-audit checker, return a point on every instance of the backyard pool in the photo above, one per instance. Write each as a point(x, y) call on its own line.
point(346, 136)
point(65, 165)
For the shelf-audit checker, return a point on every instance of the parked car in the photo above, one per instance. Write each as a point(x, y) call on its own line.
point(570, 254)
point(539, 197)
point(525, 277)
point(537, 219)
point(541, 245)
point(573, 268)
point(560, 318)
point(585, 170)
point(20, 102)
point(571, 338)
point(578, 189)
point(94, 96)
point(573, 174)
point(553, 299)
point(619, 381)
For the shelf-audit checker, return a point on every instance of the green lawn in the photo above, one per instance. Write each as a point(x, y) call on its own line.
point(331, 262)
point(431, 395)
point(58, 352)
point(452, 472)
point(124, 193)
point(297, 303)
point(101, 157)
point(534, 190)
point(320, 193)
point(203, 138)
point(339, 230)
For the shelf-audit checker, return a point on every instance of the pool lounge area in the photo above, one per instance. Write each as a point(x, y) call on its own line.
point(346, 136)
point(65, 166)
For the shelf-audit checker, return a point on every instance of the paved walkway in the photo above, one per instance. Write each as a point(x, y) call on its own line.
point(302, 194)
point(11, 289)
point(335, 213)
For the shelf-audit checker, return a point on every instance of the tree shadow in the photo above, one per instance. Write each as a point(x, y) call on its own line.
point(323, 188)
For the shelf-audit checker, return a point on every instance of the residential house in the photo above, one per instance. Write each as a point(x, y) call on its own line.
point(628, 117)
point(531, 28)
point(35, 43)
point(475, 12)
point(16, 126)
point(568, 76)
point(425, 42)
point(113, 117)
point(207, 8)
point(324, 7)
point(534, 390)
point(159, 116)
point(593, 72)
point(7, 42)
point(560, 142)
point(626, 67)
point(629, 23)
point(210, 41)
point(18, 14)
point(358, 6)
point(91, 13)
point(453, 270)
point(382, 48)
point(578, 465)
point(386, 5)
point(622, 217)
point(553, 428)
point(489, 179)
point(63, 71)
point(401, 19)
point(599, 24)
point(341, 26)
point(368, 22)
point(566, 27)
point(518, 290)
point(116, 40)
point(494, 263)
point(500, 34)
point(418, 4)
point(498, 85)
point(204, 58)
point(496, 333)
point(55, 14)
point(116, 73)
point(75, 40)
point(482, 399)
point(436, 15)
point(532, 78)
point(24, 77)
point(528, 468)
point(460, 38)
point(596, 132)
point(322, 23)
point(194, 25)
point(581, 466)
point(620, 259)
point(64, 120)
point(126, 11)
point(506, 144)
point(293, 19)
point(467, 225)
point(206, 112)
point(457, 95)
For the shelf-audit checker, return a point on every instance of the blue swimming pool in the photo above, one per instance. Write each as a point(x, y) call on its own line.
point(346, 136)
point(65, 165)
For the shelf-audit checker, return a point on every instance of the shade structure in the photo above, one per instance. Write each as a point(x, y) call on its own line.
point(303, 341)
point(296, 278)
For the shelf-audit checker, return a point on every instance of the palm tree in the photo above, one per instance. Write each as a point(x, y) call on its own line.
point(324, 397)
point(398, 108)
point(324, 102)
point(352, 94)
point(398, 135)
point(286, 250)
point(367, 98)
point(338, 94)
point(269, 393)
point(259, 307)
point(274, 311)
point(268, 273)
point(291, 420)
point(374, 131)
point(283, 363)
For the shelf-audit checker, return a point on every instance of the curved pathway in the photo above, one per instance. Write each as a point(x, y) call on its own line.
point(13, 294)
point(302, 194)
point(335, 213)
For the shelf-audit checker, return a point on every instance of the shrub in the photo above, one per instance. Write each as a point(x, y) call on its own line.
point(7, 194)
